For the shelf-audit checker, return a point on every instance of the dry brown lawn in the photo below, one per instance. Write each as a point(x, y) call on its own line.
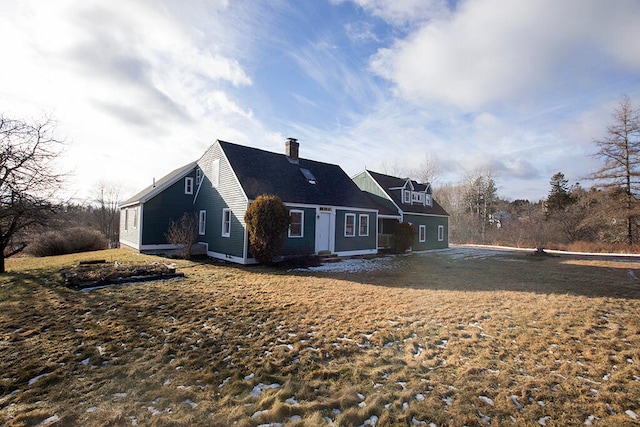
point(445, 338)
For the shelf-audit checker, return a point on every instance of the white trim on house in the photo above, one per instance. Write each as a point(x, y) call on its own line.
point(422, 233)
point(440, 233)
point(188, 185)
point(354, 224)
point(202, 222)
point(358, 252)
point(227, 257)
point(301, 213)
point(226, 231)
point(360, 233)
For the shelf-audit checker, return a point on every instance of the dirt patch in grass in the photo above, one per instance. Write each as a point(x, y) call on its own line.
point(453, 337)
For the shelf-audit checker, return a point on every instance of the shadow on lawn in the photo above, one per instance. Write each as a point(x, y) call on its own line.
point(515, 272)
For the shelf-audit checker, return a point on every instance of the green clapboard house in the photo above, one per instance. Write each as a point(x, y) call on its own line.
point(405, 200)
point(328, 212)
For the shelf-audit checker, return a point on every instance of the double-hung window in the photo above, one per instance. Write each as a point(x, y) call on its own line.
point(422, 237)
point(188, 185)
point(296, 223)
point(202, 223)
point(364, 225)
point(406, 194)
point(349, 225)
point(440, 233)
point(226, 222)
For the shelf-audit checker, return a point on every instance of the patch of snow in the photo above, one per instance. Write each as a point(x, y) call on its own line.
point(257, 390)
point(85, 362)
point(443, 344)
point(486, 400)
point(48, 421)
point(485, 419)
point(249, 377)
point(257, 414)
point(514, 399)
point(448, 400)
point(119, 395)
point(543, 421)
point(356, 265)
point(224, 383)
point(417, 422)
point(91, 409)
point(134, 421)
point(405, 406)
point(632, 414)
point(190, 403)
point(35, 379)
point(590, 419)
point(292, 401)
point(154, 411)
point(420, 397)
point(361, 396)
point(372, 421)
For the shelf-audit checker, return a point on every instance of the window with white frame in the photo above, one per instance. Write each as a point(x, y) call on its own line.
point(422, 236)
point(135, 218)
point(349, 225)
point(202, 222)
point(364, 225)
point(198, 176)
point(226, 222)
point(440, 233)
point(126, 219)
point(296, 223)
point(406, 194)
point(215, 172)
point(188, 185)
point(417, 197)
point(428, 200)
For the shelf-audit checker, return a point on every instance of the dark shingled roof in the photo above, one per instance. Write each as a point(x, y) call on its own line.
point(387, 182)
point(265, 172)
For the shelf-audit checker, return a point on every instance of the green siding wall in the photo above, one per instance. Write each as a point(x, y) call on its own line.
point(432, 223)
point(227, 194)
point(365, 183)
point(302, 245)
point(167, 206)
point(356, 243)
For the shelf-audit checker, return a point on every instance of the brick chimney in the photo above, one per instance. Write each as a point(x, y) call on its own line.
point(291, 149)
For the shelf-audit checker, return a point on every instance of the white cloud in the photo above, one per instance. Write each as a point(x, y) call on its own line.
point(499, 50)
point(401, 12)
point(135, 91)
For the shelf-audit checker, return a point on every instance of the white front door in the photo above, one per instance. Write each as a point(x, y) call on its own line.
point(323, 232)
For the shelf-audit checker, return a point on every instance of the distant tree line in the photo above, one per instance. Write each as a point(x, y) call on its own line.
point(605, 216)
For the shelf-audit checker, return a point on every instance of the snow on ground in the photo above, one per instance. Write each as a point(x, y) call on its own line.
point(390, 262)
point(455, 252)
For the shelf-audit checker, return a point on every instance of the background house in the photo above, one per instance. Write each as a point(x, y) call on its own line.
point(405, 200)
point(328, 212)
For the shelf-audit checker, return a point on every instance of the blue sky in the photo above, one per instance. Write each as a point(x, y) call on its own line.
point(139, 88)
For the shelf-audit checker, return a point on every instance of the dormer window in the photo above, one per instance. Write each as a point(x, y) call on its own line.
point(417, 198)
point(406, 196)
point(198, 176)
point(428, 200)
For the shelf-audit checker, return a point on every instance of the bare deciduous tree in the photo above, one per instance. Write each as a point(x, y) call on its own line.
point(106, 196)
point(28, 180)
point(428, 170)
point(183, 234)
point(620, 152)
